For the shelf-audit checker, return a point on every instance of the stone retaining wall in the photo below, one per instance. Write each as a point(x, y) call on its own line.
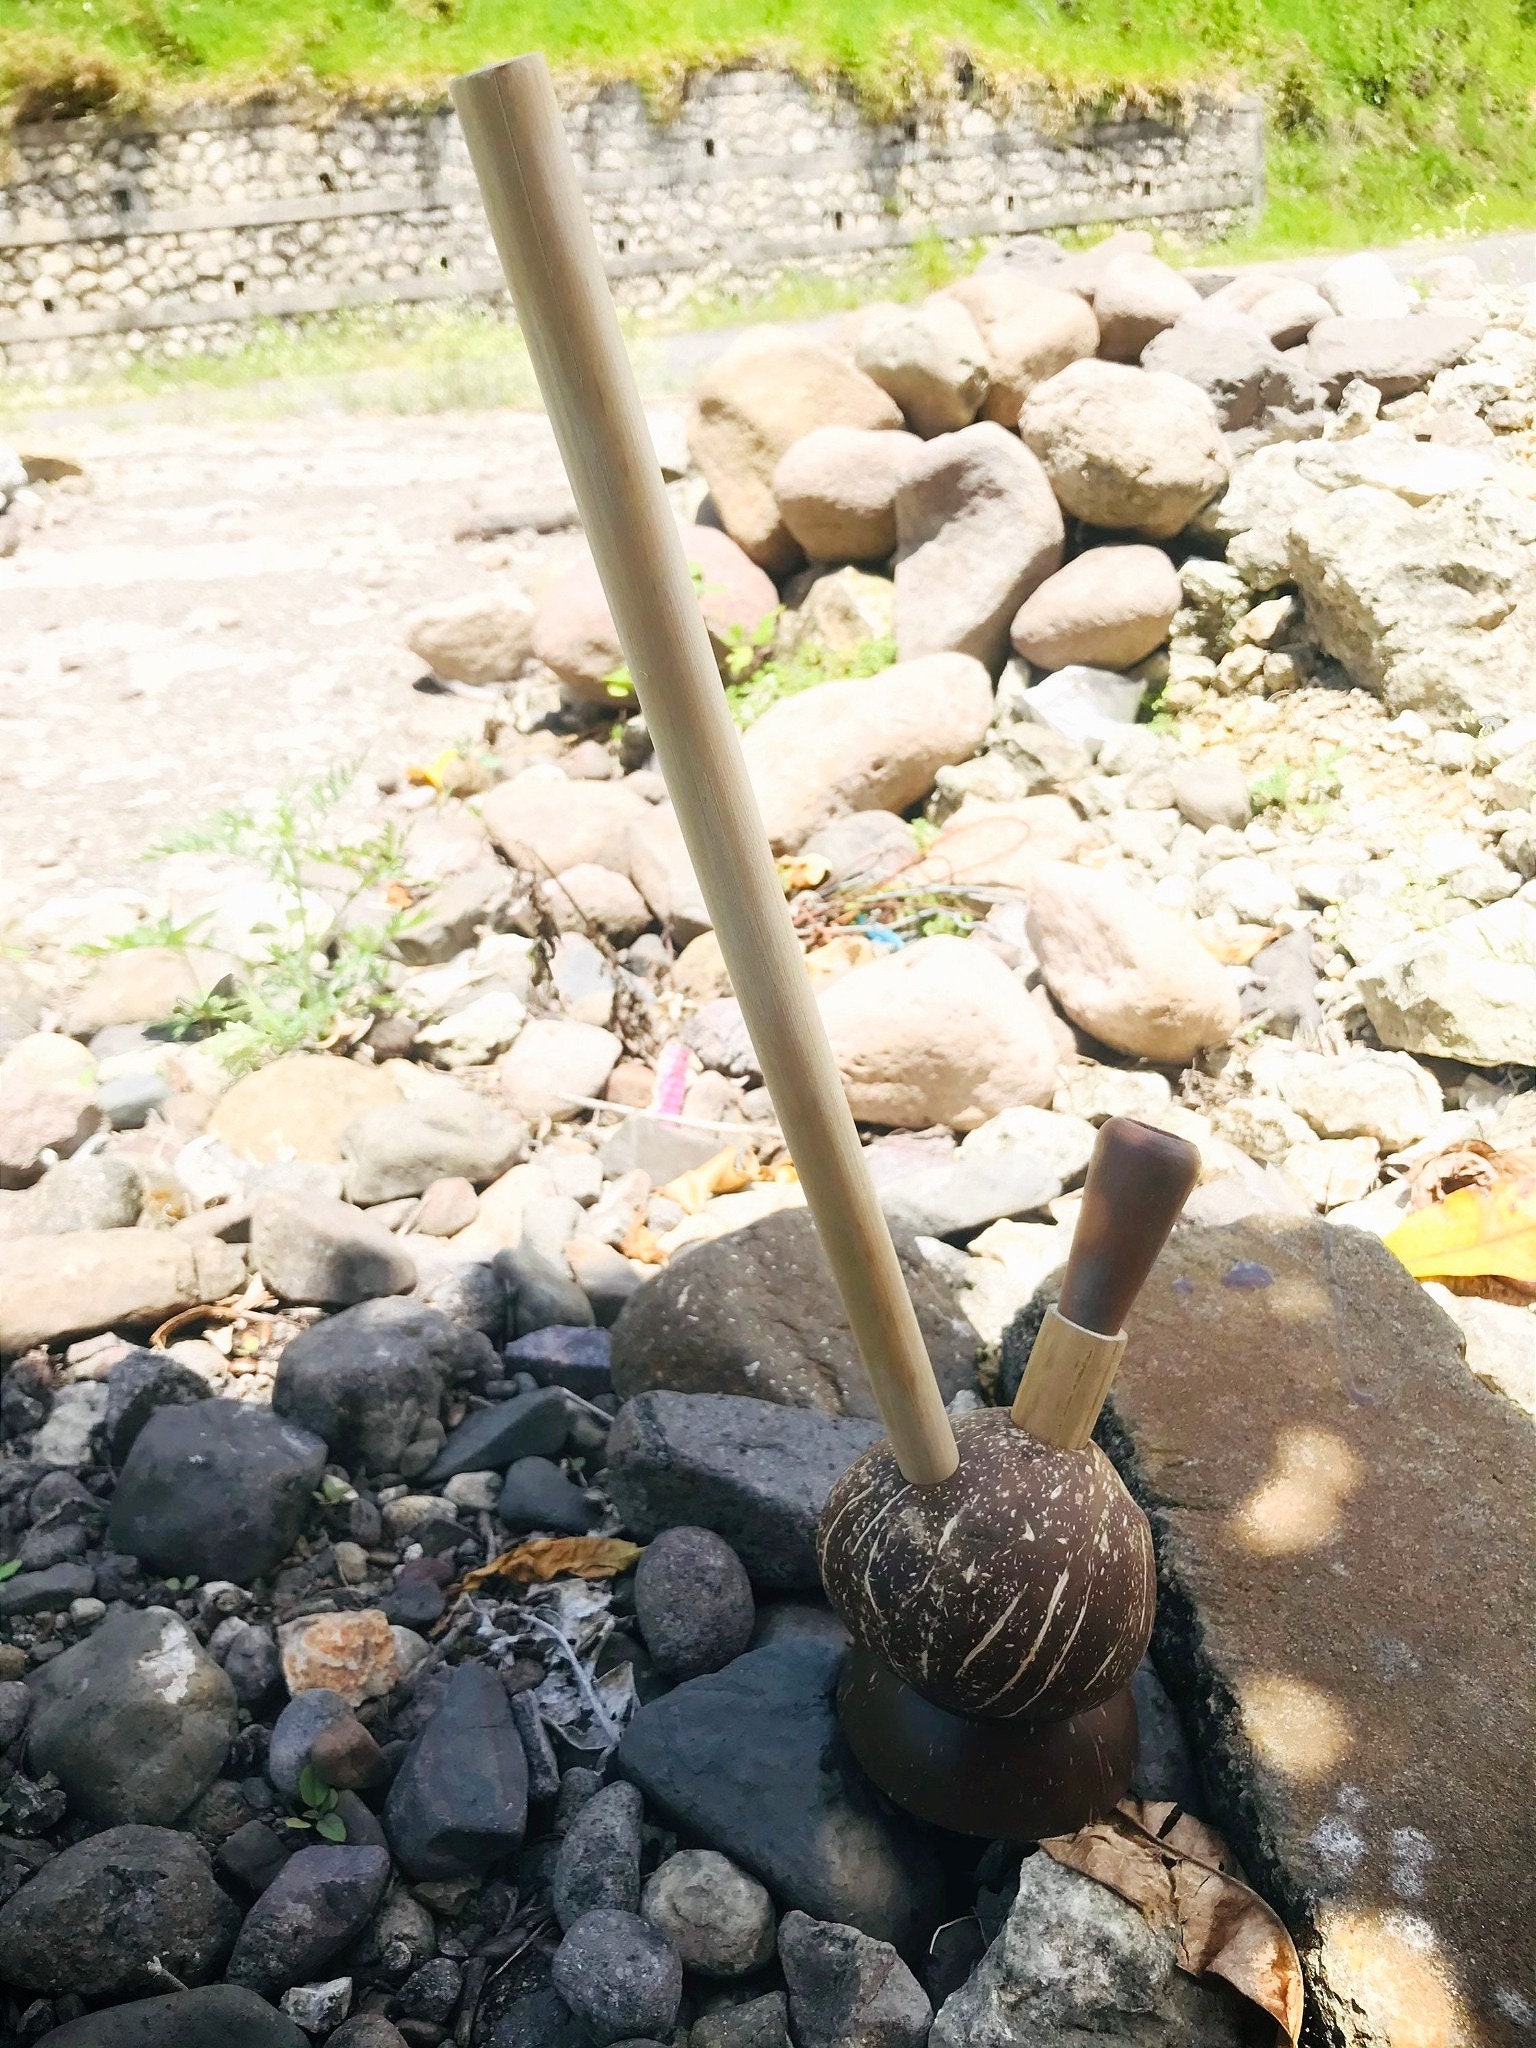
point(124, 241)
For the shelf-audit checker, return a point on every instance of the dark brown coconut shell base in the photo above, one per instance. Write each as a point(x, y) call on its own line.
point(997, 1779)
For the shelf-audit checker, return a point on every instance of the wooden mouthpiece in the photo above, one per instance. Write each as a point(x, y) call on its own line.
point(1138, 1181)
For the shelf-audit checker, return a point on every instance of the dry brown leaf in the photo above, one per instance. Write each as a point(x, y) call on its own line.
point(1180, 1875)
point(642, 1244)
point(801, 871)
point(726, 1173)
point(1478, 1232)
point(557, 1557)
point(1471, 1164)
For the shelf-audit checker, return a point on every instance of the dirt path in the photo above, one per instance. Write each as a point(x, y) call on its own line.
point(216, 610)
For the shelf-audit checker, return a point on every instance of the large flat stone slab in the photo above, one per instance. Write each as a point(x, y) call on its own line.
point(1346, 1523)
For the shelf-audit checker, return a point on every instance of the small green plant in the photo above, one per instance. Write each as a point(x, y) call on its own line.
point(185, 1585)
point(319, 1804)
point(1306, 791)
point(9, 1571)
point(305, 991)
point(753, 694)
point(154, 931)
point(333, 1490)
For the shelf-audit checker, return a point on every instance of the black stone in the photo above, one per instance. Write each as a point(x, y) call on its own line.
point(253, 1855)
point(459, 1803)
point(749, 1761)
point(693, 1602)
point(52, 1543)
point(538, 1293)
point(755, 1313)
point(139, 1383)
point(565, 1355)
point(528, 1426)
point(97, 1916)
point(539, 2019)
point(537, 1495)
point(414, 1603)
point(319, 1901)
point(252, 1665)
point(620, 1976)
point(598, 1865)
point(368, 1379)
point(15, 1706)
point(366, 2030)
point(46, 1592)
point(215, 2016)
point(432, 1992)
point(756, 1473)
point(220, 1489)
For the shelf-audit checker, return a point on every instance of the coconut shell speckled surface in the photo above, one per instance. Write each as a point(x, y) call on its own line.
point(1021, 1587)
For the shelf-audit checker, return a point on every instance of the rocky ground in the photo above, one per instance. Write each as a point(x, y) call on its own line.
point(422, 1380)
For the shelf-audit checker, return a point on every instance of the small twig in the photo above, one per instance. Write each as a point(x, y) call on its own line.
point(584, 1685)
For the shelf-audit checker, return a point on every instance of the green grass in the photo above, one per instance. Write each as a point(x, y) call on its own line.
point(1387, 117)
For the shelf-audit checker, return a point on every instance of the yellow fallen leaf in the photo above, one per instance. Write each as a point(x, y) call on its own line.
point(450, 775)
point(726, 1173)
point(1232, 945)
point(1180, 1875)
point(642, 1244)
point(557, 1557)
point(801, 871)
point(1475, 1233)
point(838, 957)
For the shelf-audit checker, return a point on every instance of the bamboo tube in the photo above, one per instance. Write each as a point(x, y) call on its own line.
point(544, 239)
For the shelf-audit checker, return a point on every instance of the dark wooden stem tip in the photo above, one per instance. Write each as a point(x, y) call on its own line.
point(1138, 1181)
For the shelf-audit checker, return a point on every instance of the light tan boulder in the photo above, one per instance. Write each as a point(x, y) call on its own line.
point(838, 610)
point(573, 630)
point(546, 823)
point(592, 898)
point(870, 743)
point(663, 873)
point(299, 1107)
point(977, 530)
point(1109, 608)
point(1126, 970)
point(930, 358)
point(1031, 330)
point(142, 985)
point(554, 1064)
point(1000, 846)
point(1135, 299)
point(766, 392)
point(939, 1033)
point(1082, 271)
point(484, 639)
point(1135, 450)
point(82, 1281)
point(836, 491)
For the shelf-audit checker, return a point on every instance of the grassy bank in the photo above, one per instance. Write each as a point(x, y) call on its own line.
point(1387, 117)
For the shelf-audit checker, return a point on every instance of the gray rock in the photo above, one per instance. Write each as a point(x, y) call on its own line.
point(369, 1379)
point(756, 1473)
point(621, 1978)
point(97, 1918)
point(252, 1665)
point(955, 1201)
point(309, 1248)
point(720, 1921)
point(656, 1146)
point(565, 1355)
point(866, 846)
point(294, 1732)
point(1231, 363)
point(68, 1439)
point(749, 1761)
point(456, 914)
point(539, 2019)
point(693, 1602)
point(760, 2023)
point(21, 1007)
point(214, 2014)
point(220, 1489)
point(533, 1425)
point(1465, 990)
point(1212, 790)
point(317, 2007)
point(1396, 355)
point(459, 1802)
point(538, 1292)
point(537, 1495)
point(366, 2030)
point(402, 1147)
point(1075, 1963)
point(1284, 986)
point(319, 1901)
point(848, 1991)
point(432, 1992)
point(15, 1706)
point(95, 1191)
point(48, 1591)
point(139, 1383)
point(977, 529)
point(598, 1863)
point(755, 1313)
point(1165, 1767)
point(134, 1721)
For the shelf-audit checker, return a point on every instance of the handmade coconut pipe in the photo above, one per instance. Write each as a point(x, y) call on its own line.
point(1059, 1558)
